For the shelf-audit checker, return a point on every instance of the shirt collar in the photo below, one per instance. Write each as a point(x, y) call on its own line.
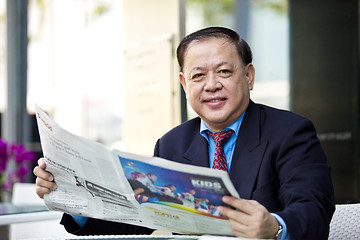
point(235, 126)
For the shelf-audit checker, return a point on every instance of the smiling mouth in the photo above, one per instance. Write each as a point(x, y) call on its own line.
point(215, 100)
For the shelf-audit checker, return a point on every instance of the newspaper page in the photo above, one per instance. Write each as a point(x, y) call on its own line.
point(117, 186)
point(88, 177)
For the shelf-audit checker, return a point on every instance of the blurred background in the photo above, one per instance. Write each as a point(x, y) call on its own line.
point(106, 69)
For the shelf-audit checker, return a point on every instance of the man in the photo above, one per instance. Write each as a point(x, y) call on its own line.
point(273, 157)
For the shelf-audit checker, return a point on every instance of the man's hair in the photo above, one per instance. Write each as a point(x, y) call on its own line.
point(241, 45)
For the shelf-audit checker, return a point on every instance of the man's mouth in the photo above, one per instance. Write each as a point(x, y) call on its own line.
point(215, 100)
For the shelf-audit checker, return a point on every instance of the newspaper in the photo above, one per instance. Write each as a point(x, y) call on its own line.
point(96, 182)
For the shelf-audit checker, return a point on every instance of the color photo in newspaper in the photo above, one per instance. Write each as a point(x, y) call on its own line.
point(178, 197)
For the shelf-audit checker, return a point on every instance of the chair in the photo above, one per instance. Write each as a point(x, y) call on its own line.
point(345, 223)
point(24, 193)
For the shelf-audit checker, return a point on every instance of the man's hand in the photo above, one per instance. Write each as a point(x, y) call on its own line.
point(138, 191)
point(250, 219)
point(45, 180)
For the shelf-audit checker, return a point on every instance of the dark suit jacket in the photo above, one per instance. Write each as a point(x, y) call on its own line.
point(277, 161)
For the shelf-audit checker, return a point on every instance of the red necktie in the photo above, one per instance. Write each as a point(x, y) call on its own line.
point(220, 138)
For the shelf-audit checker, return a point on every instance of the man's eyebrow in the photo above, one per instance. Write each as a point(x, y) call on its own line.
point(224, 64)
point(229, 64)
point(197, 69)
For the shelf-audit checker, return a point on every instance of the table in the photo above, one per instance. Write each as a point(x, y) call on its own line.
point(21, 213)
point(11, 213)
point(130, 237)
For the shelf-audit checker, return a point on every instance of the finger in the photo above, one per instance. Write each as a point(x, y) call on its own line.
point(41, 163)
point(45, 184)
point(41, 173)
point(248, 211)
point(238, 228)
point(240, 234)
point(244, 205)
point(40, 191)
point(138, 191)
point(236, 215)
point(239, 222)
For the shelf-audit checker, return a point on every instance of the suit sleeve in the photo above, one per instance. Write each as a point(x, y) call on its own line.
point(156, 149)
point(306, 189)
point(101, 227)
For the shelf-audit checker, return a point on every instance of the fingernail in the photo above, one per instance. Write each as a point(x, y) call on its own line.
point(51, 178)
point(225, 198)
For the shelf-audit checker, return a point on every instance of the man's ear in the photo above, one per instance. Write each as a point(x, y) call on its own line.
point(250, 75)
point(182, 80)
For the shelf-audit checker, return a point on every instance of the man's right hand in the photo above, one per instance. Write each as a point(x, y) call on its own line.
point(45, 180)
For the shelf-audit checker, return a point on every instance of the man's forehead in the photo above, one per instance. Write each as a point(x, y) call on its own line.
point(211, 45)
point(220, 40)
point(206, 66)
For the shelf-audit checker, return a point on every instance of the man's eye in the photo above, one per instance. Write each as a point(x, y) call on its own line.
point(198, 75)
point(225, 72)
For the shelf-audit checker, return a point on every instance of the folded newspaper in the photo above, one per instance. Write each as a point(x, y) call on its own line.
point(96, 182)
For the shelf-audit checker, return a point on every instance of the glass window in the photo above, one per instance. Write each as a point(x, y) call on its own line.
point(75, 57)
point(265, 26)
point(75, 65)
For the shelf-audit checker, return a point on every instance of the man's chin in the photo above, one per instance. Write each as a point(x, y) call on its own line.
point(217, 123)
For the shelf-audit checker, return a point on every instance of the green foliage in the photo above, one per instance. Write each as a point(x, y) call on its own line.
point(279, 6)
point(214, 11)
point(100, 9)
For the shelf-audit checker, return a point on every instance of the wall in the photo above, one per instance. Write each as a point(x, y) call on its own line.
point(152, 30)
point(324, 76)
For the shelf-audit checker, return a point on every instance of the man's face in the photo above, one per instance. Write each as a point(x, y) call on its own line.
point(216, 82)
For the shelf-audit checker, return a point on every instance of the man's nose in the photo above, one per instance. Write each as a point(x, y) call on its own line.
point(212, 83)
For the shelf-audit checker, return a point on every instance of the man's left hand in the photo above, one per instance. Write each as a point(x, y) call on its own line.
point(250, 219)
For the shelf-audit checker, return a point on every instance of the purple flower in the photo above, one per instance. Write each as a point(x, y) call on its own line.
point(27, 156)
point(22, 172)
point(17, 157)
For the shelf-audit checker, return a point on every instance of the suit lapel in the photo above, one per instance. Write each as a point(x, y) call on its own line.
point(248, 153)
point(247, 157)
point(198, 152)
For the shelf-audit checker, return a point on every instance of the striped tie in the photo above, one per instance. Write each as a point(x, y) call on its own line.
point(220, 138)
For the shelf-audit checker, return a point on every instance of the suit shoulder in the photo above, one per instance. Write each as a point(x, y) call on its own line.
point(279, 121)
point(280, 115)
point(186, 129)
point(178, 139)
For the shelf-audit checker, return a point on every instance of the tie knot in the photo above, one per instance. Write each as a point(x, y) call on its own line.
point(220, 137)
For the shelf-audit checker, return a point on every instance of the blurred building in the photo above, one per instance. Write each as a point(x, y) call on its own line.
point(106, 69)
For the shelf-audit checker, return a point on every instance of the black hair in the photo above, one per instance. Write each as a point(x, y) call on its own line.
point(242, 47)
